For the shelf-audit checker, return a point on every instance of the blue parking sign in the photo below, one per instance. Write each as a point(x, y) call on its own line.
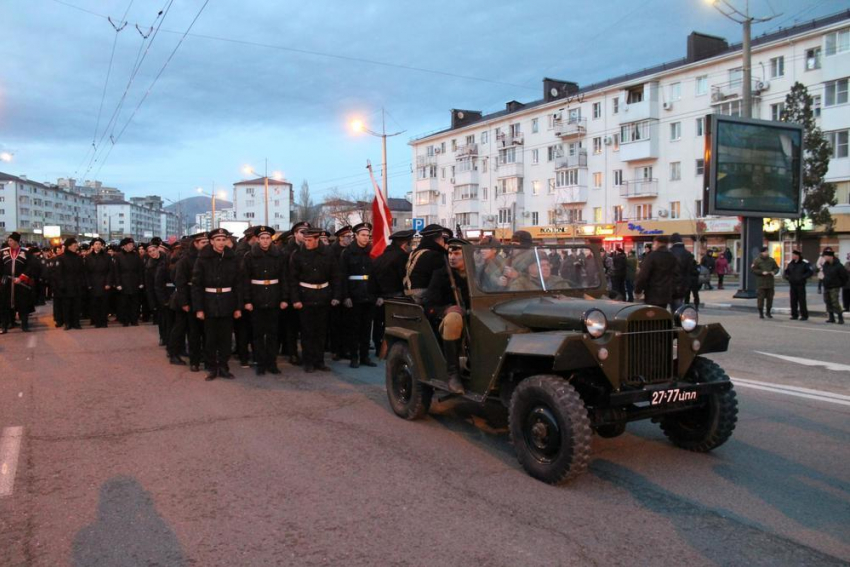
point(418, 224)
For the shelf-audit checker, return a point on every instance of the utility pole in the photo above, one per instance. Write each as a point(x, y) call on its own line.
point(384, 155)
point(266, 192)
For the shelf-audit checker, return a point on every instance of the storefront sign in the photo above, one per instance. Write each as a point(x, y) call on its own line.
point(722, 225)
point(786, 225)
point(644, 231)
point(548, 231)
point(605, 230)
point(52, 231)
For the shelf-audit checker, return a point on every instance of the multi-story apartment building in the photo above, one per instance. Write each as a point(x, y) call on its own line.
point(137, 218)
point(203, 221)
point(623, 159)
point(28, 206)
point(249, 202)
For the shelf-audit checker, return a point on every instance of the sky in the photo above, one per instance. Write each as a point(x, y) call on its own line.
point(280, 80)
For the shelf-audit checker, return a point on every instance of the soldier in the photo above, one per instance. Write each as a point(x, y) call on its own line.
point(765, 269)
point(358, 294)
point(265, 294)
point(129, 280)
point(290, 320)
point(325, 238)
point(797, 272)
point(164, 288)
point(53, 269)
point(314, 289)
point(15, 284)
point(441, 307)
point(98, 281)
point(186, 322)
point(71, 278)
point(388, 277)
point(657, 279)
point(154, 258)
point(217, 296)
point(428, 257)
point(834, 278)
point(242, 326)
point(336, 330)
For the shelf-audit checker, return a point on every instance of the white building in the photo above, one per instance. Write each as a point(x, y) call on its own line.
point(336, 213)
point(249, 202)
point(203, 221)
point(624, 158)
point(118, 219)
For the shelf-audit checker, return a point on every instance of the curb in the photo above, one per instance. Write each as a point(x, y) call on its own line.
point(754, 309)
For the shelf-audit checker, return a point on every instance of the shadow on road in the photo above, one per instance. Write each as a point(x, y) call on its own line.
point(128, 530)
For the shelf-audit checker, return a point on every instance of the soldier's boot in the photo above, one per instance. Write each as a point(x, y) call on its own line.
point(224, 372)
point(840, 318)
point(831, 317)
point(212, 372)
point(761, 313)
point(174, 359)
point(769, 307)
point(451, 349)
point(355, 361)
point(25, 323)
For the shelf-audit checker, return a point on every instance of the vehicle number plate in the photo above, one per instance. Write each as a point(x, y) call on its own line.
point(672, 396)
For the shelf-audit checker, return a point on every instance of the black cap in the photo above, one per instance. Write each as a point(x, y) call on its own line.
point(262, 229)
point(764, 248)
point(343, 231)
point(125, 241)
point(362, 226)
point(16, 236)
point(797, 253)
point(325, 233)
point(675, 238)
point(155, 241)
point(84, 246)
point(98, 239)
point(200, 236)
point(403, 235)
point(432, 230)
point(300, 225)
point(829, 252)
point(70, 241)
point(315, 232)
point(219, 232)
point(456, 242)
point(248, 232)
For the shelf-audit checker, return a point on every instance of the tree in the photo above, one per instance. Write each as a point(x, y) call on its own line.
point(818, 195)
point(304, 207)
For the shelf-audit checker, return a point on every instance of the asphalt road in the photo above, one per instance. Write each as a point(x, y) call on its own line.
point(125, 460)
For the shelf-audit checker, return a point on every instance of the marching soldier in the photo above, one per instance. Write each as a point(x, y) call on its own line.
point(71, 278)
point(314, 277)
point(388, 271)
point(98, 266)
point(338, 344)
point(265, 294)
point(358, 294)
point(217, 295)
point(186, 322)
point(428, 257)
point(58, 300)
point(129, 279)
point(290, 320)
point(15, 285)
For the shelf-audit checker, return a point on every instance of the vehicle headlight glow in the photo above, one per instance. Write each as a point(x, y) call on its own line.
point(687, 317)
point(595, 322)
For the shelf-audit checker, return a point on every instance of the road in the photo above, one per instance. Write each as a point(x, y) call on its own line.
point(126, 460)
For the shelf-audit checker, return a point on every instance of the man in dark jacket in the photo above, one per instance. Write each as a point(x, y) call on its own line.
point(16, 284)
point(797, 272)
point(358, 294)
point(290, 320)
point(129, 280)
point(428, 257)
point(314, 289)
point(765, 269)
point(659, 274)
point(834, 278)
point(687, 265)
point(242, 326)
point(618, 274)
point(155, 257)
point(71, 278)
point(186, 322)
point(708, 263)
point(265, 294)
point(98, 281)
point(388, 278)
point(337, 327)
point(217, 294)
point(164, 290)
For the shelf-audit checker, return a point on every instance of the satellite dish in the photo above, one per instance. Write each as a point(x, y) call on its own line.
point(553, 91)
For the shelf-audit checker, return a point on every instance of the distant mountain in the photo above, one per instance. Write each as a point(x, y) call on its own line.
point(192, 206)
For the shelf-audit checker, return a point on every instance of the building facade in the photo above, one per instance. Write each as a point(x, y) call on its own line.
point(336, 213)
point(623, 159)
point(136, 219)
point(203, 221)
point(249, 202)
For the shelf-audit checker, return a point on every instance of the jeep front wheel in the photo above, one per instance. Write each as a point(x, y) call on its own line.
point(409, 398)
point(550, 429)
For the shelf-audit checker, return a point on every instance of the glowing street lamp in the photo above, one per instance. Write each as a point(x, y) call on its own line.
point(277, 175)
point(359, 127)
point(212, 196)
point(6, 156)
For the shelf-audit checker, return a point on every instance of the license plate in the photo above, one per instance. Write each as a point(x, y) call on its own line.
point(672, 396)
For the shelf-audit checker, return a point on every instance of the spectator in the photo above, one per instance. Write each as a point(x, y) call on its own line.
point(708, 263)
point(618, 275)
point(721, 266)
point(845, 292)
point(834, 278)
point(686, 263)
point(765, 268)
point(631, 272)
point(797, 272)
point(659, 275)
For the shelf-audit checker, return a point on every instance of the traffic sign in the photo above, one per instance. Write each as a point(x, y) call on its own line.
point(418, 224)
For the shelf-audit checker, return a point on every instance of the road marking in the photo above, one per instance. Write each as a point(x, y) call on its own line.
point(808, 362)
point(817, 329)
point(794, 391)
point(10, 446)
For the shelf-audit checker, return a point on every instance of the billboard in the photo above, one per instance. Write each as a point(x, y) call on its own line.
point(753, 168)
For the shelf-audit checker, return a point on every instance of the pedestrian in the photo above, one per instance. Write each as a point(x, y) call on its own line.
point(187, 326)
point(845, 291)
point(217, 292)
point(358, 294)
point(428, 257)
point(337, 328)
point(16, 284)
point(388, 277)
point(314, 289)
point(658, 276)
point(797, 272)
point(765, 268)
point(708, 263)
point(834, 278)
point(129, 280)
point(71, 278)
point(98, 266)
point(631, 273)
point(618, 274)
point(721, 268)
point(686, 267)
point(265, 294)
point(819, 266)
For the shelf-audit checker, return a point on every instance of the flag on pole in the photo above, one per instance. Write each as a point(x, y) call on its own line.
point(382, 218)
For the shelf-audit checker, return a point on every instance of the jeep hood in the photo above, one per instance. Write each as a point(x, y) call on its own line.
point(562, 312)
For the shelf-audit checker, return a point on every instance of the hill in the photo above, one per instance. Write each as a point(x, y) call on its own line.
point(191, 206)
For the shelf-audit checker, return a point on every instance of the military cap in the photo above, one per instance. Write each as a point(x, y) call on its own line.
point(796, 253)
point(447, 233)
point(403, 234)
point(764, 248)
point(828, 249)
point(84, 246)
point(219, 232)
point(522, 237)
point(456, 242)
point(326, 233)
point(200, 236)
point(362, 226)
point(98, 239)
point(248, 231)
point(314, 232)
point(114, 247)
point(16, 236)
point(262, 229)
point(125, 241)
point(829, 252)
point(70, 241)
point(155, 241)
point(432, 230)
point(343, 231)
point(299, 225)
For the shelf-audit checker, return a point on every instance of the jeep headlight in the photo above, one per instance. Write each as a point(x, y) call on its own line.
point(687, 318)
point(595, 322)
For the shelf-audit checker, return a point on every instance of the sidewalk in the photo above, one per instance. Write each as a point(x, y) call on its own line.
point(724, 299)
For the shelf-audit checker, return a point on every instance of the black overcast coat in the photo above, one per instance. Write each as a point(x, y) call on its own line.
point(129, 272)
point(315, 266)
point(428, 257)
point(388, 272)
point(219, 271)
point(151, 268)
point(71, 274)
point(265, 265)
point(98, 273)
point(658, 277)
point(183, 280)
point(355, 261)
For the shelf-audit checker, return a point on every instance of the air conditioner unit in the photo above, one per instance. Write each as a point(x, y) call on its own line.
point(438, 151)
point(717, 96)
point(526, 214)
point(762, 85)
point(663, 213)
point(667, 106)
point(489, 218)
point(609, 140)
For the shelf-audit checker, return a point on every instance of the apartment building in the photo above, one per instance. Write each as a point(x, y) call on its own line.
point(249, 202)
point(622, 159)
point(204, 221)
point(138, 218)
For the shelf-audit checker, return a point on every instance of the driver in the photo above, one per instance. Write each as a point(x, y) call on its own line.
point(530, 280)
point(443, 311)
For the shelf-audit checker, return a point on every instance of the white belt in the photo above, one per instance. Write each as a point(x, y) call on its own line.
point(218, 289)
point(314, 286)
point(169, 285)
point(264, 282)
point(365, 277)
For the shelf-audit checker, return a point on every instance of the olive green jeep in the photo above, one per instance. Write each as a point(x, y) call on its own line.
point(564, 361)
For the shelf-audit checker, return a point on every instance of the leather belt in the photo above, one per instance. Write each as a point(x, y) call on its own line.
point(218, 289)
point(169, 285)
point(314, 286)
point(361, 278)
point(264, 282)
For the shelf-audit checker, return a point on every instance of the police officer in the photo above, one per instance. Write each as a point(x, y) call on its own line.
point(336, 330)
point(71, 278)
point(314, 277)
point(129, 279)
point(428, 257)
point(98, 266)
point(186, 323)
point(217, 293)
point(358, 294)
point(388, 277)
point(265, 294)
point(765, 268)
point(291, 320)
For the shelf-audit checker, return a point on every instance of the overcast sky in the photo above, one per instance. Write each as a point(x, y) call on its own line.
point(281, 80)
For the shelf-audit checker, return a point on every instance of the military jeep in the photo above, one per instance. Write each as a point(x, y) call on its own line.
point(541, 338)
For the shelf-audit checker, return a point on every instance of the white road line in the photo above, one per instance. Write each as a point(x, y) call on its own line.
point(798, 389)
point(815, 329)
point(808, 362)
point(827, 397)
point(10, 446)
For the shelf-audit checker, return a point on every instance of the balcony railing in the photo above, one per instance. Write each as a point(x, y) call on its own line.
point(734, 89)
point(573, 194)
point(570, 127)
point(569, 162)
point(422, 161)
point(506, 139)
point(639, 188)
point(467, 150)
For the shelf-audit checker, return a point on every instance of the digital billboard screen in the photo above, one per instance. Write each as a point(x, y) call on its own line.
point(753, 168)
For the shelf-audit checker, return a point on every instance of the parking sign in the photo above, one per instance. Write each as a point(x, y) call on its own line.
point(418, 224)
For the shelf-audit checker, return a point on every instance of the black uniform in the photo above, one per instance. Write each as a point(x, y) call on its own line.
point(58, 308)
point(797, 272)
point(336, 330)
point(290, 321)
point(439, 294)
point(217, 292)
point(98, 278)
point(163, 285)
point(264, 287)
point(658, 277)
point(355, 272)
point(388, 280)
point(16, 297)
point(186, 321)
point(129, 276)
point(314, 282)
point(71, 279)
point(152, 266)
point(242, 326)
point(421, 265)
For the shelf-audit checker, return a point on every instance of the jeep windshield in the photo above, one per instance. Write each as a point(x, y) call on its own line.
point(500, 269)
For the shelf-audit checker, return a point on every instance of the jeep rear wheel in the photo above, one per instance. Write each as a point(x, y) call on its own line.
point(710, 425)
point(550, 429)
point(409, 398)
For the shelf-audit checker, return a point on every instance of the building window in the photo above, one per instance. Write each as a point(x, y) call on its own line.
point(675, 91)
point(700, 126)
point(535, 218)
point(597, 180)
point(597, 214)
point(615, 105)
point(838, 142)
point(442, 147)
point(566, 177)
point(643, 212)
point(597, 110)
point(618, 177)
point(484, 165)
point(485, 137)
point(836, 92)
point(732, 108)
point(534, 125)
point(675, 131)
point(701, 87)
point(777, 111)
point(597, 145)
point(535, 187)
point(470, 139)
point(675, 170)
point(550, 184)
point(454, 145)
point(615, 138)
point(698, 207)
point(837, 42)
point(574, 215)
point(249, 203)
point(736, 76)
point(250, 190)
point(443, 199)
point(635, 95)
point(535, 156)
point(813, 59)
point(505, 216)
point(249, 215)
point(429, 151)
point(555, 152)
point(777, 67)
point(634, 132)
point(483, 193)
point(700, 166)
point(618, 213)
point(509, 185)
point(675, 210)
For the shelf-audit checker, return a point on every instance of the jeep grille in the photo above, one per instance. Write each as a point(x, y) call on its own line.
point(650, 351)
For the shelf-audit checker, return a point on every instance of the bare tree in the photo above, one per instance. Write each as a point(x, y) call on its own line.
point(305, 209)
point(337, 208)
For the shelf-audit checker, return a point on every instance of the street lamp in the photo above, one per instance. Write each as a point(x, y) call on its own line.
point(359, 127)
point(6, 156)
point(212, 196)
point(277, 175)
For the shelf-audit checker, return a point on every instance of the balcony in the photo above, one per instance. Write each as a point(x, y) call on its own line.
point(428, 184)
point(570, 127)
point(424, 161)
point(572, 194)
point(639, 189)
point(512, 169)
point(505, 140)
point(570, 162)
point(424, 206)
point(468, 177)
point(467, 150)
point(733, 90)
point(472, 205)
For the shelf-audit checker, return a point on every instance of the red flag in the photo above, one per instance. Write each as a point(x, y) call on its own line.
point(382, 219)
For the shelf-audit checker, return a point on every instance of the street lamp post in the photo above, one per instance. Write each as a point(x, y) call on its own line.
point(277, 175)
point(212, 196)
point(359, 126)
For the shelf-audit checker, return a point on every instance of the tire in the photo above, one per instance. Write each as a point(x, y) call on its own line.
point(708, 427)
point(611, 431)
point(550, 429)
point(409, 398)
